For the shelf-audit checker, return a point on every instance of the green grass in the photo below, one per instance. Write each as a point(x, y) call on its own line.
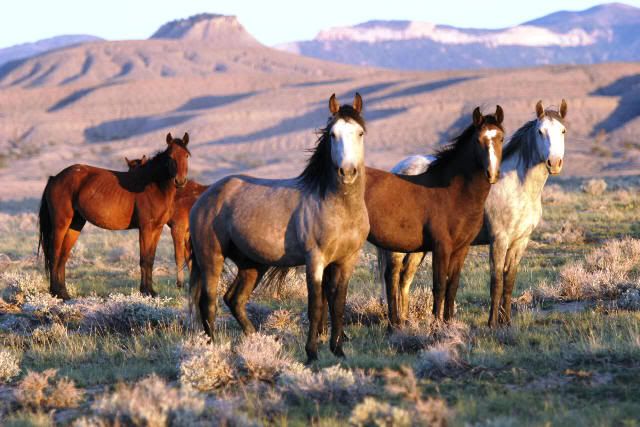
point(548, 368)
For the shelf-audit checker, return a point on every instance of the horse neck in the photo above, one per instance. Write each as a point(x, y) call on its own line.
point(530, 176)
point(351, 195)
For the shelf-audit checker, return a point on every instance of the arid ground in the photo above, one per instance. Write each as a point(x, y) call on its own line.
point(112, 356)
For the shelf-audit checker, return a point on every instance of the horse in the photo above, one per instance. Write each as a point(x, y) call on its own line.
point(512, 211)
point(141, 198)
point(179, 220)
point(318, 219)
point(439, 210)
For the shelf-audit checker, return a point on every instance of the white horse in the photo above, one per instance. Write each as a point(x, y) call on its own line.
point(512, 211)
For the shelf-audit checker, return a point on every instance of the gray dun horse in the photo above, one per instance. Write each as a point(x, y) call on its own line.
point(512, 211)
point(318, 219)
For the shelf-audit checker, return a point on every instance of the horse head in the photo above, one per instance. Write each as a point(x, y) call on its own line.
point(178, 159)
point(347, 138)
point(550, 136)
point(490, 136)
point(134, 163)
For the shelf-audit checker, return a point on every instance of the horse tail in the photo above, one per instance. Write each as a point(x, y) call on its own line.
point(45, 229)
point(275, 279)
point(382, 266)
point(195, 286)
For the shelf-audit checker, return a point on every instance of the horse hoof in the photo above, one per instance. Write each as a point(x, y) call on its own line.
point(179, 285)
point(345, 337)
point(63, 295)
point(339, 352)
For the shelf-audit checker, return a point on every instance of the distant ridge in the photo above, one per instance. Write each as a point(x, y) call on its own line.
point(222, 30)
point(27, 50)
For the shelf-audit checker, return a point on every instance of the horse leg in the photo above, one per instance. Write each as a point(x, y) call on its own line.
point(497, 254)
point(247, 279)
point(211, 263)
point(455, 267)
point(514, 255)
point(70, 239)
point(337, 285)
point(410, 266)
point(391, 275)
point(315, 269)
point(148, 243)
point(441, 257)
point(62, 217)
point(323, 327)
point(178, 232)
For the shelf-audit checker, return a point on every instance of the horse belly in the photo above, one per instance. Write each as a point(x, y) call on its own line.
point(108, 213)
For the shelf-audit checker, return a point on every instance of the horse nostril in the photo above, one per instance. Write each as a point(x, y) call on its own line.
point(560, 163)
point(341, 171)
point(354, 171)
point(549, 163)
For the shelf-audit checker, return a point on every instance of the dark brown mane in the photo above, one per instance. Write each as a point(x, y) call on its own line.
point(452, 151)
point(318, 173)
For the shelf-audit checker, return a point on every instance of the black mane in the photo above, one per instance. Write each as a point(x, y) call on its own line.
point(318, 174)
point(450, 152)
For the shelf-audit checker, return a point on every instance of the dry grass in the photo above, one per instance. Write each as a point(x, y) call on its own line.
point(594, 187)
point(332, 384)
point(569, 232)
point(205, 366)
point(9, 366)
point(150, 402)
point(417, 336)
point(44, 391)
point(20, 285)
point(603, 274)
point(373, 413)
point(262, 357)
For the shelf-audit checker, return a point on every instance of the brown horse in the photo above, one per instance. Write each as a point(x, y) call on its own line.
point(318, 219)
point(440, 210)
point(179, 221)
point(141, 198)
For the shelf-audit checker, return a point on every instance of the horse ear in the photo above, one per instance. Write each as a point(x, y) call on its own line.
point(477, 117)
point(499, 114)
point(143, 160)
point(563, 108)
point(185, 138)
point(357, 103)
point(169, 138)
point(333, 104)
point(127, 161)
point(539, 110)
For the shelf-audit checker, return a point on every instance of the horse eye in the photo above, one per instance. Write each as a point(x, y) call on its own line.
point(361, 133)
point(564, 131)
point(333, 135)
point(540, 131)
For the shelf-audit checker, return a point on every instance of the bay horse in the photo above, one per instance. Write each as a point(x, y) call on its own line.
point(512, 211)
point(179, 221)
point(141, 198)
point(318, 219)
point(438, 210)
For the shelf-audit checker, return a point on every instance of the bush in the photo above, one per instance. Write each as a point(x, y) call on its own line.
point(204, 365)
point(20, 285)
point(594, 187)
point(41, 390)
point(262, 357)
point(9, 366)
point(416, 337)
point(333, 384)
point(149, 402)
point(373, 413)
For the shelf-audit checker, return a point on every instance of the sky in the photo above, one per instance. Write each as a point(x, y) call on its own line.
point(270, 21)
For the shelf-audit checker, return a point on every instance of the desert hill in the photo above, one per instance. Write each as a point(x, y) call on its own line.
point(250, 108)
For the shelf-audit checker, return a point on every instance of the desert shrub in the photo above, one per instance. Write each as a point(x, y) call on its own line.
point(43, 390)
point(373, 413)
point(429, 412)
point(282, 322)
point(333, 384)
point(9, 366)
point(438, 359)
point(554, 194)
point(258, 313)
point(262, 357)
point(604, 273)
point(417, 336)
point(569, 232)
point(20, 285)
point(630, 299)
point(124, 313)
point(594, 187)
point(49, 333)
point(366, 310)
point(27, 418)
point(150, 402)
point(204, 365)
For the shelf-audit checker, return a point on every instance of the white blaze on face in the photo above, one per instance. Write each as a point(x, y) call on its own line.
point(493, 159)
point(553, 134)
point(347, 144)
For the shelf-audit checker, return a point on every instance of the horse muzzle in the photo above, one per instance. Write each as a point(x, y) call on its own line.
point(180, 183)
point(492, 178)
point(554, 166)
point(347, 174)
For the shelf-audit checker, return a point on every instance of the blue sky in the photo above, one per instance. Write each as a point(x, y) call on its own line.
point(270, 21)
